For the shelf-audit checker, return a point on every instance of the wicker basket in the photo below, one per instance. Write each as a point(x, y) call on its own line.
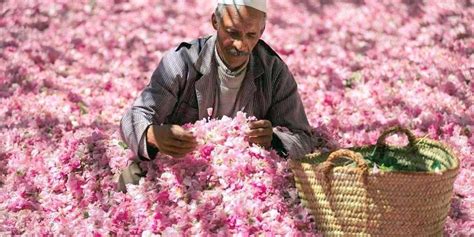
point(349, 198)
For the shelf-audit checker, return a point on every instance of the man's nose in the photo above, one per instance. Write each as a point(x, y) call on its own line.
point(241, 45)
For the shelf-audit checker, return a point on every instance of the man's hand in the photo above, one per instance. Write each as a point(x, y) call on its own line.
point(171, 140)
point(261, 133)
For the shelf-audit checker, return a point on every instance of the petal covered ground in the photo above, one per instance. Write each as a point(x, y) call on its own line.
point(69, 69)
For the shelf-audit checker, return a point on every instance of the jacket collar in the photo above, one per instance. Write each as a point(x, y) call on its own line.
point(206, 85)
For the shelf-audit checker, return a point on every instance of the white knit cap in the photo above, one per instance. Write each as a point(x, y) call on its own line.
point(260, 5)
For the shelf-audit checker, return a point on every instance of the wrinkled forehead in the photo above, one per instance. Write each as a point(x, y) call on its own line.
point(242, 16)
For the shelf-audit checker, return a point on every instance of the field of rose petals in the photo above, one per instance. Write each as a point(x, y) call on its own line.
point(69, 70)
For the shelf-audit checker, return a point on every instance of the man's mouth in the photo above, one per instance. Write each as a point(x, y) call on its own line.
point(236, 53)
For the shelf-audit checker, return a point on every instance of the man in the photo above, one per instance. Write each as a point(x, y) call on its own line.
point(230, 71)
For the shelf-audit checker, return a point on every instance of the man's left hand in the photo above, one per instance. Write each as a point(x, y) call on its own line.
point(261, 133)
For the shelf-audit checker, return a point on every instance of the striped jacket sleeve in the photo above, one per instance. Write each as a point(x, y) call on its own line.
point(288, 116)
point(154, 104)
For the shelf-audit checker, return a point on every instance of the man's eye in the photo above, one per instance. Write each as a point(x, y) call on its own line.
point(252, 36)
point(233, 34)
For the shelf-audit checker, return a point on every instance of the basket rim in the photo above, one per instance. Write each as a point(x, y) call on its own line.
point(457, 162)
point(384, 173)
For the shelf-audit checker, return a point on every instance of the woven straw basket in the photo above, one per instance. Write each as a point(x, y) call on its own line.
point(350, 199)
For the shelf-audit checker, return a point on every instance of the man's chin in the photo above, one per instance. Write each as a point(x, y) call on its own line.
point(238, 61)
point(236, 66)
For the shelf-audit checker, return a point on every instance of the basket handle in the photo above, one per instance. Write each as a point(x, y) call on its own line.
point(357, 157)
point(328, 165)
point(397, 129)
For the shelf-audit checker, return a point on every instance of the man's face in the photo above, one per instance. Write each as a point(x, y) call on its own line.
point(238, 31)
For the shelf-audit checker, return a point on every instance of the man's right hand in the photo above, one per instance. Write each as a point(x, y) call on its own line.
point(171, 140)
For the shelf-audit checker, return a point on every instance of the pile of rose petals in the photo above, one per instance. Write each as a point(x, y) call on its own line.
point(70, 69)
point(224, 187)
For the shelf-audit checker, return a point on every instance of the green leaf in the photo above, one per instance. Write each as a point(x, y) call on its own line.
point(123, 145)
point(436, 166)
point(385, 168)
point(82, 107)
point(20, 173)
point(85, 214)
point(92, 4)
point(355, 77)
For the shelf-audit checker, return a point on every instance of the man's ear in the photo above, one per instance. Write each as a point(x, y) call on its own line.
point(263, 30)
point(214, 21)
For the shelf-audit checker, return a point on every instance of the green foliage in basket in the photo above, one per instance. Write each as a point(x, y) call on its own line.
point(419, 155)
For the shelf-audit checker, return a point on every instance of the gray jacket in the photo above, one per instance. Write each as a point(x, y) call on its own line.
point(184, 86)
